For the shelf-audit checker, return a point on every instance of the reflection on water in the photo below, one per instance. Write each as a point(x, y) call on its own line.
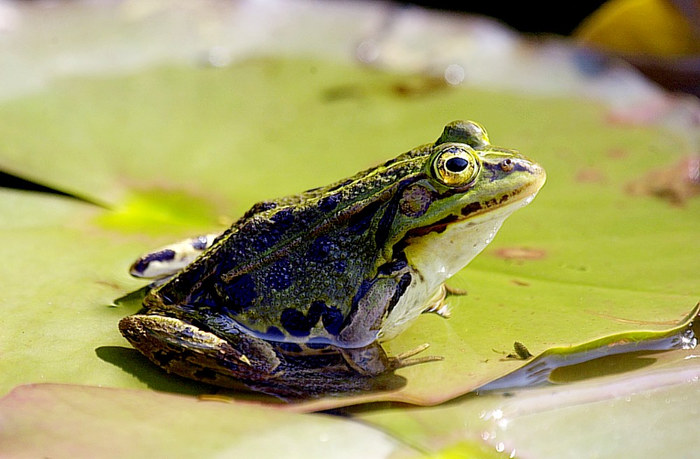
point(611, 354)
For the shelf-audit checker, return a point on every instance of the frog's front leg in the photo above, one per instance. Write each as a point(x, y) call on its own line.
point(372, 360)
point(377, 301)
point(438, 303)
point(170, 259)
point(186, 350)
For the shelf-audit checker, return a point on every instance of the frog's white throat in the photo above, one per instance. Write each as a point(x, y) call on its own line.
point(439, 256)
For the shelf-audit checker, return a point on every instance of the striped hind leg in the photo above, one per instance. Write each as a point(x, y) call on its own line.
point(170, 259)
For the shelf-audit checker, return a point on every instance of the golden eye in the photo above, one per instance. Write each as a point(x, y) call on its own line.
point(455, 166)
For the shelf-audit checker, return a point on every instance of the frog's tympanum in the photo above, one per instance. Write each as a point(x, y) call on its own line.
point(297, 296)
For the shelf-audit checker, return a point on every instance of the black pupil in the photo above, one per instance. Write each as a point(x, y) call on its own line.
point(456, 165)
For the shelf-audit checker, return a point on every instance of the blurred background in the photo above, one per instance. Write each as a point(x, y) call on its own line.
point(561, 18)
point(659, 37)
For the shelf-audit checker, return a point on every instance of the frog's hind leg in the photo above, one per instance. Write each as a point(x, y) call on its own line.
point(241, 361)
point(186, 350)
point(169, 260)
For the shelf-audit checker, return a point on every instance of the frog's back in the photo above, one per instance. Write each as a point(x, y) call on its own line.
point(291, 269)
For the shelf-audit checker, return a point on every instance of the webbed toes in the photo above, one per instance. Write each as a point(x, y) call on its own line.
point(404, 359)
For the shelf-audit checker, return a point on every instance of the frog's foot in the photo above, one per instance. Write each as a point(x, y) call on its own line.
point(170, 259)
point(372, 360)
point(438, 304)
point(404, 359)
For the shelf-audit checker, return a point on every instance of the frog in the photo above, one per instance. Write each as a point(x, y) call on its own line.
point(298, 296)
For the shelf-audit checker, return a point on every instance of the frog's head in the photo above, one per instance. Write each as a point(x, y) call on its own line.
point(454, 202)
point(464, 181)
point(462, 190)
point(478, 180)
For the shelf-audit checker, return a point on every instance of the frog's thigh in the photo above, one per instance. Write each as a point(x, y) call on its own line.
point(186, 350)
point(170, 259)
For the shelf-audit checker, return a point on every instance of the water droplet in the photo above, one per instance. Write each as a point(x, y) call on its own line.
point(367, 51)
point(689, 340)
point(454, 74)
point(218, 56)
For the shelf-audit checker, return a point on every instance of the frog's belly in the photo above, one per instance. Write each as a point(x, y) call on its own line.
point(438, 256)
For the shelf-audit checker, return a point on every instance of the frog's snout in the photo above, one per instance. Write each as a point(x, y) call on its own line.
point(521, 163)
point(536, 169)
point(538, 172)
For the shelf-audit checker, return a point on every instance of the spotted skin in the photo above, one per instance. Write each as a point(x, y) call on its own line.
point(266, 283)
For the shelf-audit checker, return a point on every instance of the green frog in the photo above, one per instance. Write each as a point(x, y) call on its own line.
point(297, 296)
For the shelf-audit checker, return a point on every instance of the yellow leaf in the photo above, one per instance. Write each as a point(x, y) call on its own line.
point(640, 27)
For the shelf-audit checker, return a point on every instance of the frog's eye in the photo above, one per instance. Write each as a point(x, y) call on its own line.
point(455, 166)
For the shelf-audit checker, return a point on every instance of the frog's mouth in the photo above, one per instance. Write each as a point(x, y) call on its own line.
point(479, 212)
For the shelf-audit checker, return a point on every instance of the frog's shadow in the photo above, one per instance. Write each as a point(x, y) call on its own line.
point(133, 362)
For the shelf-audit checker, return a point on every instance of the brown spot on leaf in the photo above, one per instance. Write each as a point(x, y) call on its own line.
point(617, 153)
point(520, 282)
point(520, 253)
point(590, 175)
point(112, 285)
point(342, 92)
point(676, 183)
point(419, 86)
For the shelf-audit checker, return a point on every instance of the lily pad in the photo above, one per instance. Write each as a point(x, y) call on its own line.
point(174, 167)
point(159, 130)
point(42, 421)
point(647, 412)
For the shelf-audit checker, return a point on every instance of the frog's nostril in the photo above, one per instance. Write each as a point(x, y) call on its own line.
point(507, 165)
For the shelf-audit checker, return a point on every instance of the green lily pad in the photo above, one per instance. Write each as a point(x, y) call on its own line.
point(173, 152)
point(42, 421)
